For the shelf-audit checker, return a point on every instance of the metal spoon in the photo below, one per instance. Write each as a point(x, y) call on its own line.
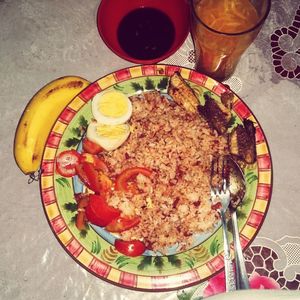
point(237, 188)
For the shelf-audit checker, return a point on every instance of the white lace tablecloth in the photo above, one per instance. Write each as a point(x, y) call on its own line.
point(42, 40)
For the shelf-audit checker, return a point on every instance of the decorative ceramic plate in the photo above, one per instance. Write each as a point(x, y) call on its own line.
point(93, 248)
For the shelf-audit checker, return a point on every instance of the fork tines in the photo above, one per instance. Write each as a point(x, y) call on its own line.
point(219, 173)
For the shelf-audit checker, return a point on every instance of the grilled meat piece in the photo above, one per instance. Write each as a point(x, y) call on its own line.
point(182, 93)
point(242, 142)
point(217, 114)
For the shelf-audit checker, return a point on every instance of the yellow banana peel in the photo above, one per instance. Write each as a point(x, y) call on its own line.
point(39, 117)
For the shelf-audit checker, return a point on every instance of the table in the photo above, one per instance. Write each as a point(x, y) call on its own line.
point(43, 40)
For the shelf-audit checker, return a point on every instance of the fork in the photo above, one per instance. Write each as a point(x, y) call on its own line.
point(220, 195)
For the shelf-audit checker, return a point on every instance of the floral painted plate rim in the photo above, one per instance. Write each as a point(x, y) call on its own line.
point(95, 254)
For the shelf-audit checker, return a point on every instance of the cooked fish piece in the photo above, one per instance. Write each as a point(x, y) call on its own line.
point(182, 93)
point(216, 114)
point(242, 142)
point(250, 156)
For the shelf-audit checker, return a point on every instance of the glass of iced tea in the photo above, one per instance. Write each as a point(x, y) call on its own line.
point(222, 30)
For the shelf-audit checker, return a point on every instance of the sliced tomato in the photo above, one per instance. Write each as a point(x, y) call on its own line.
point(85, 172)
point(125, 180)
point(80, 218)
point(130, 248)
point(92, 177)
point(82, 175)
point(66, 163)
point(91, 147)
point(97, 162)
point(122, 223)
point(98, 212)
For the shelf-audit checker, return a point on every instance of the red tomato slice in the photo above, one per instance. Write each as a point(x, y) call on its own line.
point(92, 177)
point(80, 218)
point(130, 248)
point(123, 180)
point(122, 223)
point(66, 163)
point(97, 162)
point(98, 212)
point(91, 147)
point(82, 175)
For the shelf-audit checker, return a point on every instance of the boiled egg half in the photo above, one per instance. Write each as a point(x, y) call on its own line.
point(111, 108)
point(109, 137)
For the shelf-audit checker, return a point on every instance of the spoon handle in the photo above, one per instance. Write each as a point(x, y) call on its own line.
point(242, 281)
point(229, 271)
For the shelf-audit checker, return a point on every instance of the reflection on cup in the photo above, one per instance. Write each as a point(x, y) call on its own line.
point(222, 30)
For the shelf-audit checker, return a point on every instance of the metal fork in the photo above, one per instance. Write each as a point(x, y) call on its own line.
point(220, 195)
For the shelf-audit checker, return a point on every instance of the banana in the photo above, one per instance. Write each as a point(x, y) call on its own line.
point(39, 117)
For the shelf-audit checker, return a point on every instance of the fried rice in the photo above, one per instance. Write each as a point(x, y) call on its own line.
point(178, 147)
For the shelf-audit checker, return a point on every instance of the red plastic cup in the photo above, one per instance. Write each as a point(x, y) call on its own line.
point(111, 12)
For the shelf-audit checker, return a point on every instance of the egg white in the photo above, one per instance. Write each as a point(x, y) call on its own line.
point(108, 143)
point(111, 120)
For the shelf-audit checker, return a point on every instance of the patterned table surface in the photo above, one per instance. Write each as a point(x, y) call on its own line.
point(43, 40)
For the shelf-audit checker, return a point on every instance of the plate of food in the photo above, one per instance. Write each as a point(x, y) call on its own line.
point(125, 180)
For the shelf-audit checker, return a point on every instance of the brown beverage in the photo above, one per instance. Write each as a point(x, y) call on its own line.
point(222, 30)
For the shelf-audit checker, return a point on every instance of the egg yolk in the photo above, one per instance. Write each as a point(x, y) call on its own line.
point(111, 131)
point(113, 105)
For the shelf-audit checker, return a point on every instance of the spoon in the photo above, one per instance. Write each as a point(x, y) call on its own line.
point(237, 188)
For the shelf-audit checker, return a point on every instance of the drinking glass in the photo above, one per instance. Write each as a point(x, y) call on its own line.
point(222, 30)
